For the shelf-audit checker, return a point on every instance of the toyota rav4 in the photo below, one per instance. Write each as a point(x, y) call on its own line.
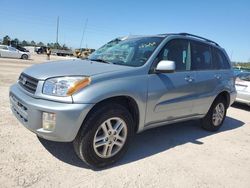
point(127, 86)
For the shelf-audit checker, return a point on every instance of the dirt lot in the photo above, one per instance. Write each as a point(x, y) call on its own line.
point(182, 155)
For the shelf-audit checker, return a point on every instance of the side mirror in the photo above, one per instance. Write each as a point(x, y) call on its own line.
point(165, 66)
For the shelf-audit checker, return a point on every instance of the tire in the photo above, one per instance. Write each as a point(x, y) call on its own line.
point(84, 143)
point(24, 56)
point(214, 120)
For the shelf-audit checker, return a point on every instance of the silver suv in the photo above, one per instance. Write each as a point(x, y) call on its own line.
point(127, 86)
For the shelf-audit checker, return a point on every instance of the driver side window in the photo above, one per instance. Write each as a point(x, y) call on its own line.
point(177, 50)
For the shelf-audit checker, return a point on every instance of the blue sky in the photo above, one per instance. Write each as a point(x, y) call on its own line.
point(226, 22)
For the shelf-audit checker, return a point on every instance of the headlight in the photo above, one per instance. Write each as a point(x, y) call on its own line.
point(65, 86)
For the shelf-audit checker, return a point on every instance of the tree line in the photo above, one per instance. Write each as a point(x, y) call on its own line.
point(241, 65)
point(15, 42)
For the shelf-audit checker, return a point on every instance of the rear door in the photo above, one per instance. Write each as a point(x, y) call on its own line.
point(171, 95)
point(224, 74)
point(208, 77)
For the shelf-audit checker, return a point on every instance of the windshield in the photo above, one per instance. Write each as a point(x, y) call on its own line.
point(130, 52)
point(245, 76)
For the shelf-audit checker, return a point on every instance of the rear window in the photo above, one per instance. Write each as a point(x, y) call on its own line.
point(3, 47)
point(219, 60)
point(201, 56)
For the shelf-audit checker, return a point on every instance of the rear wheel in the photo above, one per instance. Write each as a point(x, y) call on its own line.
point(216, 115)
point(24, 56)
point(104, 136)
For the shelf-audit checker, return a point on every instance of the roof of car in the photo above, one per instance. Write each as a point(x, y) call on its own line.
point(188, 35)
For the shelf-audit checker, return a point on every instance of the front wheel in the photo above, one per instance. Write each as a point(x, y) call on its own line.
point(104, 136)
point(215, 116)
point(24, 56)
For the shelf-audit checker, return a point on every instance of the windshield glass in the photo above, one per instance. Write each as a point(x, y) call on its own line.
point(245, 76)
point(130, 52)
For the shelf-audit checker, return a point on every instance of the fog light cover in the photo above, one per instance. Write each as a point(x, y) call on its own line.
point(49, 121)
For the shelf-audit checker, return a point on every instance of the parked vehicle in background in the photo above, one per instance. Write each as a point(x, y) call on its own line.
point(83, 53)
point(41, 50)
point(11, 52)
point(62, 52)
point(57, 52)
point(238, 71)
point(20, 48)
point(124, 88)
point(242, 84)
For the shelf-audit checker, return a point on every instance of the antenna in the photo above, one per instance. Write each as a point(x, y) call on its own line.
point(83, 32)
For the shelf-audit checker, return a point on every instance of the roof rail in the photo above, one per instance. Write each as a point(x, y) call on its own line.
point(195, 36)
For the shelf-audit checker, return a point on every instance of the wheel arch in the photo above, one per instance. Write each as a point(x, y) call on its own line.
point(225, 95)
point(126, 101)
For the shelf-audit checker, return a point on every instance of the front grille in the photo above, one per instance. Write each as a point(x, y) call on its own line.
point(28, 83)
point(18, 109)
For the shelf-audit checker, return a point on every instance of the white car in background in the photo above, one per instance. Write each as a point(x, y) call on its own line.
point(242, 85)
point(11, 52)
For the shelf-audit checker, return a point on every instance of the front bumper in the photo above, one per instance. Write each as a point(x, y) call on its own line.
point(29, 110)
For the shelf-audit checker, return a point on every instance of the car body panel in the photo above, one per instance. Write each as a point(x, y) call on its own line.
point(71, 68)
point(209, 84)
point(170, 96)
point(69, 117)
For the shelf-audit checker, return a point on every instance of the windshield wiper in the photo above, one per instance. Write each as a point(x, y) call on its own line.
point(101, 60)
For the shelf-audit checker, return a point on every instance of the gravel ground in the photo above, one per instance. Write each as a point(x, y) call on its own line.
point(180, 155)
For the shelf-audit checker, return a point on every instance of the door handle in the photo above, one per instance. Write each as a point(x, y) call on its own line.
point(189, 79)
point(217, 76)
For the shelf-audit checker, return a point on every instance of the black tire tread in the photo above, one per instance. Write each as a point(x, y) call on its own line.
point(24, 55)
point(206, 122)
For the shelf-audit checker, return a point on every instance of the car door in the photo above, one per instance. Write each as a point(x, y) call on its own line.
point(206, 76)
point(171, 95)
point(13, 52)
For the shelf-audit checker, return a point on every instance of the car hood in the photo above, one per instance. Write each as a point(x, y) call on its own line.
point(71, 68)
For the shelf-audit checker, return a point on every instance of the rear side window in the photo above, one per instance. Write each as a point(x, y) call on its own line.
point(201, 56)
point(177, 50)
point(3, 47)
point(219, 60)
point(12, 49)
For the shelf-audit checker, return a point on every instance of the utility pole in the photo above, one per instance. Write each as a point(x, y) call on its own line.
point(57, 29)
point(83, 32)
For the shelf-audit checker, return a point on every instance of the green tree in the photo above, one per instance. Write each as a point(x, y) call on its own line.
point(57, 46)
point(6, 40)
point(50, 45)
point(40, 44)
point(25, 43)
point(33, 43)
point(15, 41)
